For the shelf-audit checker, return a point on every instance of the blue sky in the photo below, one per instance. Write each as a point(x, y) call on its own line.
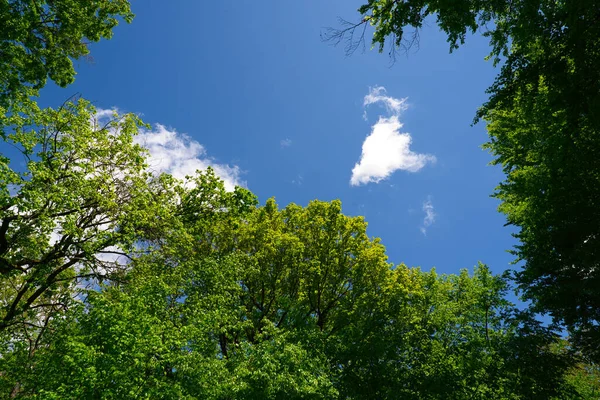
point(250, 88)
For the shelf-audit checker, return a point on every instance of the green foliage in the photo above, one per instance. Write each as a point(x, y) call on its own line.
point(73, 206)
point(231, 300)
point(222, 299)
point(544, 126)
point(552, 191)
point(456, 337)
point(39, 39)
point(585, 378)
point(117, 284)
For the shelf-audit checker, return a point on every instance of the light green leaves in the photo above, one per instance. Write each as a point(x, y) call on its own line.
point(63, 217)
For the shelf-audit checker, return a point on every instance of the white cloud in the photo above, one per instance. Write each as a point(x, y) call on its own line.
point(179, 155)
point(104, 113)
point(386, 149)
point(429, 215)
point(378, 95)
point(286, 143)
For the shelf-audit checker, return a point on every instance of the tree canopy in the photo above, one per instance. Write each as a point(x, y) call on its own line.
point(234, 300)
point(117, 282)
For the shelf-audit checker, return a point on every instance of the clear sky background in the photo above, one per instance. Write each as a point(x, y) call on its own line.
point(249, 87)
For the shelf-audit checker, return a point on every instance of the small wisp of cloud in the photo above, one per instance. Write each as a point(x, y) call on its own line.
point(285, 143)
point(429, 215)
point(378, 95)
point(299, 180)
point(386, 149)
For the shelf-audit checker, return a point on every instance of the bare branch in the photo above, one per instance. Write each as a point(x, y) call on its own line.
point(351, 34)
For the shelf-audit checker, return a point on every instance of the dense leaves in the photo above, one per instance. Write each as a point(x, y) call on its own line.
point(231, 300)
point(72, 215)
point(120, 284)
